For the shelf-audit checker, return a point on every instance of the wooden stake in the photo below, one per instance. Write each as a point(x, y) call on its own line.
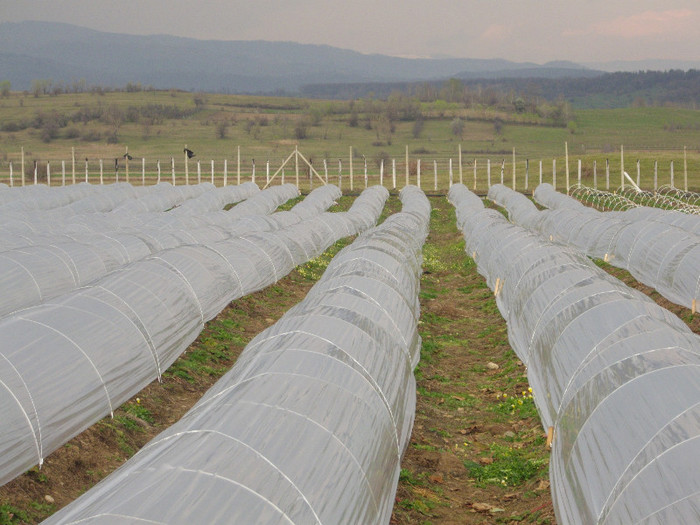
point(685, 169)
point(407, 171)
point(296, 164)
point(566, 153)
point(622, 167)
point(550, 437)
point(187, 168)
point(692, 309)
point(460, 163)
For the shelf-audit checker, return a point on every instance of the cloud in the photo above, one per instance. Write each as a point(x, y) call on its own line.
point(496, 32)
point(645, 24)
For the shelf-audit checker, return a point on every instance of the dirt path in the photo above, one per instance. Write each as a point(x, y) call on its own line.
point(475, 456)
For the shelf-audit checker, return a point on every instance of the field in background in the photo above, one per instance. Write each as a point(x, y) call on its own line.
point(156, 125)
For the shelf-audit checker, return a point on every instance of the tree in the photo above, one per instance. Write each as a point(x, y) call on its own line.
point(5, 87)
point(222, 129)
point(457, 127)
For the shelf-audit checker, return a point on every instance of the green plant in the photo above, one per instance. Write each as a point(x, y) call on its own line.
point(510, 467)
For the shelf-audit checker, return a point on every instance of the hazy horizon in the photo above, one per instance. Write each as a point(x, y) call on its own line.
point(517, 30)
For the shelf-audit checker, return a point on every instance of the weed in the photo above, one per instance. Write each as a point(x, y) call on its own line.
point(510, 467)
point(10, 515)
point(138, 410)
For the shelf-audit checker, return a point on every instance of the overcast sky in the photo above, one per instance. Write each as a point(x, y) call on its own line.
point(519, 30)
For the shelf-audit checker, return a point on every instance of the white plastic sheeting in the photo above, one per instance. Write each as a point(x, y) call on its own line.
point(56, 264)
point(310, 424)
point(658, 247)
point(72, 360)
point(616, 375)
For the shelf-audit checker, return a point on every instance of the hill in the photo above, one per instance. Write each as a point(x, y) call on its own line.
point(65, 53)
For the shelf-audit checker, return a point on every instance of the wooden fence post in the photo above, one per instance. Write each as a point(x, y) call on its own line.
point(393, 174)
point(622, 167)
point(460, 164)
point(73, 164)
point(158, 171)
point(407, 168)
point(578, 178)
point(102, 177)
point(685, 169)
point(418, 173)
point(187, 168)
point(366, 179)
point(566, 152)
point(199, 172)
point(48, 173)
point(672, 176)
point(595, 175)
point(527, 173)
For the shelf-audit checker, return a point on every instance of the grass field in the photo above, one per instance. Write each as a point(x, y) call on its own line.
point(156, 125)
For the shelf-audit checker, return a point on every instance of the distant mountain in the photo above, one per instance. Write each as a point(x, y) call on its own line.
point(644, 65)
point(66, 53)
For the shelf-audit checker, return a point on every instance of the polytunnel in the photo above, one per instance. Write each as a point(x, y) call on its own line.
point(651, 244)
point(616, 376)
point(111, 338)
point(53, 265)
point(310, 424)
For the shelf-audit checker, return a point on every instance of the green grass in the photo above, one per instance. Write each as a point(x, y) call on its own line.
point(510, 467)
point(264, 129)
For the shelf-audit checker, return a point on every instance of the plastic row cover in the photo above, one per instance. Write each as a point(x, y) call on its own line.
point(72, 360)
point(42, 197)
point(546, 195)
point(644, 241)
point(57, 264)
point(107, 199)
point(310, 424)
point(616, 375)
